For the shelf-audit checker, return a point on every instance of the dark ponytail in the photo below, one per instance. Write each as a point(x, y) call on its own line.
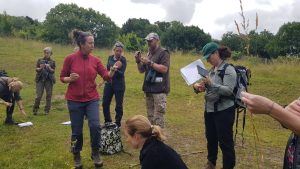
point(224, 52)
point(79, 37)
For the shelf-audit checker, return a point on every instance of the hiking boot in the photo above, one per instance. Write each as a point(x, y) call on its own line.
point(35, 112)
point(210, 165)
point(10, 122)
point(96, 158)
point(77, 160)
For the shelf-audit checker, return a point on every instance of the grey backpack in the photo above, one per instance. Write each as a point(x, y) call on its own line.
point(110, 141)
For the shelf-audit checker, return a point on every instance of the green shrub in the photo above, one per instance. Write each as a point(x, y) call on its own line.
point(236, 55)
point(132, 42)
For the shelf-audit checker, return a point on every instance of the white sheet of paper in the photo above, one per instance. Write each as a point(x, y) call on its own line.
point(66, 123)
point(26, 124)
point(190, 72)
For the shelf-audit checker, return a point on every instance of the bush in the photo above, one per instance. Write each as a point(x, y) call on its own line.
point(132, 42)
point(236, 55)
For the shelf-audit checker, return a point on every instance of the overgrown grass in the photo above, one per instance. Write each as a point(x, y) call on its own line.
point(46, 143)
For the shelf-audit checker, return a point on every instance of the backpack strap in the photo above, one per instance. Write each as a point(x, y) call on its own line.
point(238, 111)
point(236, 124)
point(222, 72)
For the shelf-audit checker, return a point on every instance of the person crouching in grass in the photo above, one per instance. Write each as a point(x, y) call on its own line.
point(9, 94)
point(154, 154)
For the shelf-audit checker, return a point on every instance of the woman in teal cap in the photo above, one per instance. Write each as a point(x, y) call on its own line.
point(219, 111)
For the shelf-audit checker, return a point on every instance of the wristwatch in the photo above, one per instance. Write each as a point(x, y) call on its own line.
point(151, 63)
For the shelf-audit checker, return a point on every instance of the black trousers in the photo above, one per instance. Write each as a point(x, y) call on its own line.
point(9, 110)
point(219, 130)
point(108, 93)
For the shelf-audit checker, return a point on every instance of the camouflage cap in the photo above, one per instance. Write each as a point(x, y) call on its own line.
point(151, 36)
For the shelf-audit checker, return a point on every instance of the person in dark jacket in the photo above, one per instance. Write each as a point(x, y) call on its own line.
point(116, 86)
point(154, 154)
point(9, 94)
point(45, 80)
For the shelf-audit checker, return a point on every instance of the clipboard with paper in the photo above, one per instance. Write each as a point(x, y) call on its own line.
point(190, 72)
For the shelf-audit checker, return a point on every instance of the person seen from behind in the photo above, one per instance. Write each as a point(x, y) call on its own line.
point(154, 153)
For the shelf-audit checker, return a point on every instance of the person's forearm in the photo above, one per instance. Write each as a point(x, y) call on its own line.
point(2, 101)
point(140, 67)
point(285, 117)
point(67, 80)
point(159, 67)
point(51, 70)
point(111, 72)
point(38, 69)
point(20, 104)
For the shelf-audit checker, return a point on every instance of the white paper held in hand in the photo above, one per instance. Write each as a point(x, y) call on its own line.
point(190, 72)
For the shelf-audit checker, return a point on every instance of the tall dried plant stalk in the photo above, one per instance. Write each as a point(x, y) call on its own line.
point(245, 27)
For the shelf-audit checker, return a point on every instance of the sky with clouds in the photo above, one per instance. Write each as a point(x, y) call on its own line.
point(213, 16)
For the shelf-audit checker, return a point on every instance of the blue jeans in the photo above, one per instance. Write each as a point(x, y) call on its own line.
point(77, 111)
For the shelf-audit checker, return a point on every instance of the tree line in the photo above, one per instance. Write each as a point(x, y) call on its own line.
point(63, 18)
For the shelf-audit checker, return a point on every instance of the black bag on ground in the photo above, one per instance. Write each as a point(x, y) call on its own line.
point(110, 141)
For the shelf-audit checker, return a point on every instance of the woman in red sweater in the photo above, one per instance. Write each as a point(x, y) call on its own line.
point(80, 70)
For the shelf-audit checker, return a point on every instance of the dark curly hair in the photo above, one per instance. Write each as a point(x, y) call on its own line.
point(224, 52)
point(79, 37)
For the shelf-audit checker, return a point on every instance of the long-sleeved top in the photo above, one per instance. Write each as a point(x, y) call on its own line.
point(157, 155)
point(84, 88)
point(220, 88)
point(118, 79)
point(45, 74)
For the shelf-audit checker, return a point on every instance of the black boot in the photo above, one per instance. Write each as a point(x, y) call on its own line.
point(77, 160)
point(96, 158)
point(34, 112)
point(9, 121)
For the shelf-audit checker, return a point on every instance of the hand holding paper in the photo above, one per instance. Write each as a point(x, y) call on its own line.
point(190, 72)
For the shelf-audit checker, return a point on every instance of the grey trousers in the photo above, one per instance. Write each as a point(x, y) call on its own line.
point(40, 86)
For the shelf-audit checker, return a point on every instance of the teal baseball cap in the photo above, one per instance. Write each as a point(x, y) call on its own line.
point(208, 49)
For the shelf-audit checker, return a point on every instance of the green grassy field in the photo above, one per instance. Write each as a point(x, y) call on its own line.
point(46, 143)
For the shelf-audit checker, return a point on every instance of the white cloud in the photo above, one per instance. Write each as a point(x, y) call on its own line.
point(213, 16)
point(179, 10)
point(267, 20)
point(35, 9)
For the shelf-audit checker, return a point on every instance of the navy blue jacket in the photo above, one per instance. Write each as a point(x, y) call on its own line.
point(118, 80)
